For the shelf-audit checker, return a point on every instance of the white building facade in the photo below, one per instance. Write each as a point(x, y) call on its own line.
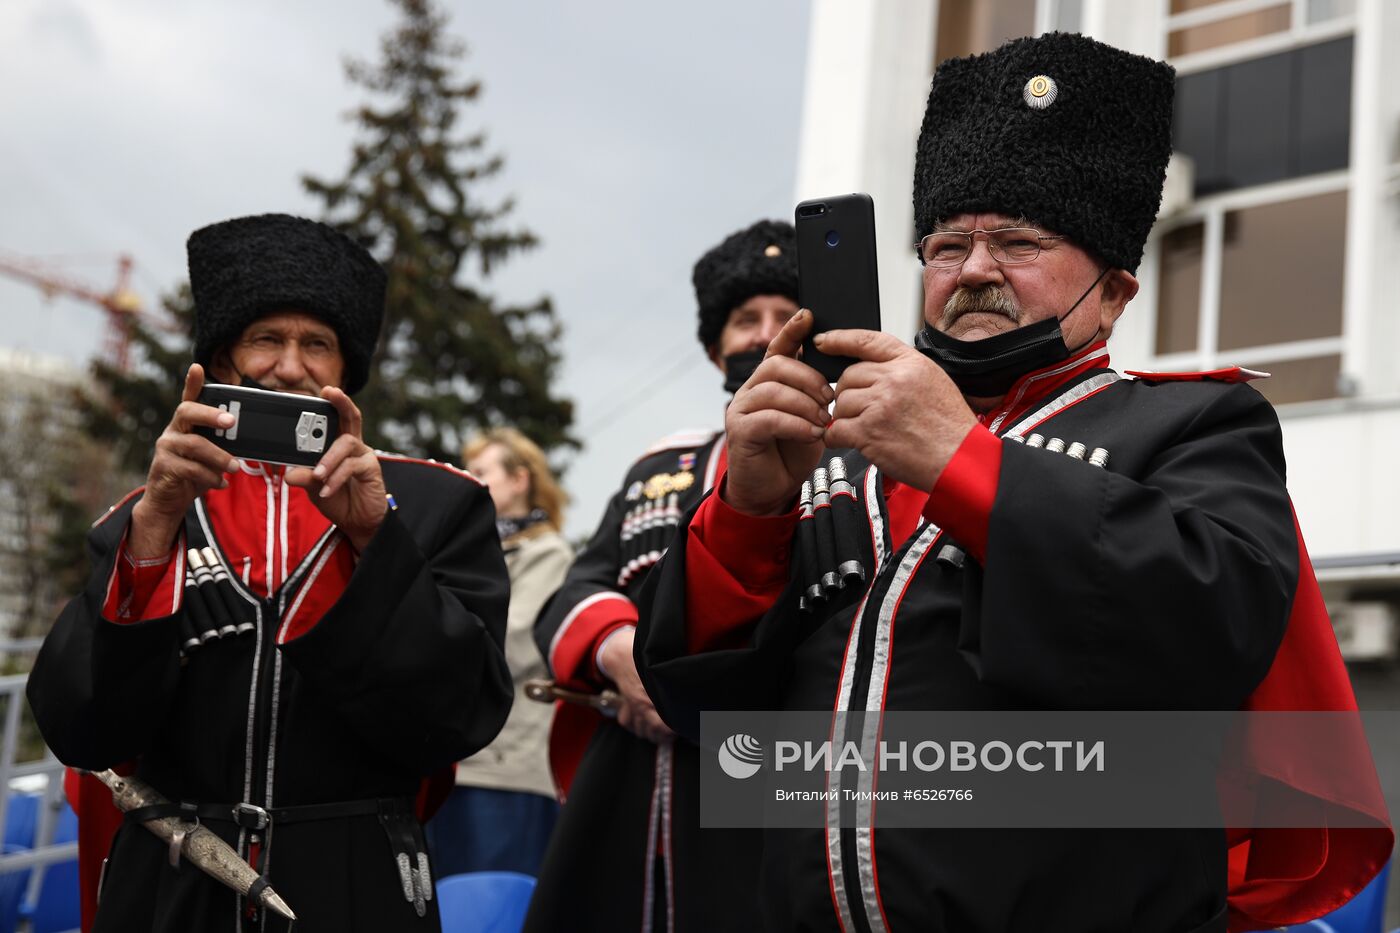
point(37, 418)
point(1278, 244)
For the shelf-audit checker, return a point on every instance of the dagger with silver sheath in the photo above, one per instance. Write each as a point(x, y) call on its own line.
point(205, 850)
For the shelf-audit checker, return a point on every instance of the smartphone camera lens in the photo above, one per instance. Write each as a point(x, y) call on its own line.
point(833, 238)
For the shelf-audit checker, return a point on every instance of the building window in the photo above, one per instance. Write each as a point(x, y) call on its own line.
point(1186, 6)
point(1281, 271)
point(1254, 273)
point(1201, 29)
point(1301, 380)
point(1259, 283)
point(1179, 290)
point(969, 27)
point(1267, 119)
point(1228, 31)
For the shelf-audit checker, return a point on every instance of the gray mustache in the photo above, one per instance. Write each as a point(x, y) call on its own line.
point(988, 300)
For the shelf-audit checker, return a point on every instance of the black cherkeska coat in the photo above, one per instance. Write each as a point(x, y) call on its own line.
point(402, 675)
point(628, 854)
point(1161, 582)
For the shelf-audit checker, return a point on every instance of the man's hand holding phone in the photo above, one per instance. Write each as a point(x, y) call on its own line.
point(775, 426)
point(895, 406)
point(183, 468)
point(347, 484)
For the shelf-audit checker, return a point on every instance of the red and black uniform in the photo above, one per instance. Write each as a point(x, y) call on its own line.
point(627, 853)
point(1166, 579)
point(361, 674)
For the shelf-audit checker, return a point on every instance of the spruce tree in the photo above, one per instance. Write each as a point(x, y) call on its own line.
point(451, 359)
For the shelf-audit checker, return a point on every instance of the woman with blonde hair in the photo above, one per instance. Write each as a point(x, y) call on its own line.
point(502, 811)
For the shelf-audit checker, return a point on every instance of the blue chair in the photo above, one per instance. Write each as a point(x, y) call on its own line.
point(57, 907)
point(12, 886)
point(21, 819)
point(484, 901)
point(1364, 913)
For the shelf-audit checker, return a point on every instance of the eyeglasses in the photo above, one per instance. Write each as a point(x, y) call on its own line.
point(1008, 245)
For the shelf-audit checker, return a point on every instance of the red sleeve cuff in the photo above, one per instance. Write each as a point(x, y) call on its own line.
point(572, 649)
point(736, 567)
point(753, 550)
point(961, 500)
point(150, 588)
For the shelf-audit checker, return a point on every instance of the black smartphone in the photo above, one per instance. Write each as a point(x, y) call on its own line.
point(837, 276)
point(273, 427)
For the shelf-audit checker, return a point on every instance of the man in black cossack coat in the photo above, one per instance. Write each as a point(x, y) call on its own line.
point(1043, 534)
point(628, 853)
point(285, 654)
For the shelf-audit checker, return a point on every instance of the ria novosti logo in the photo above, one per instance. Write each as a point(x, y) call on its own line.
point(741, 756)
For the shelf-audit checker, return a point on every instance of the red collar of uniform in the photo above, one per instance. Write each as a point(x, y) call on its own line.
point(1035, 385)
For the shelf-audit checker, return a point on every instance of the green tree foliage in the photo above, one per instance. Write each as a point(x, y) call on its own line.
point(452, 360)
point(132, 408)
point(120, 416)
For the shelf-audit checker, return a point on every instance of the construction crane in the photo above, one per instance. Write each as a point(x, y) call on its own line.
point(120, 303)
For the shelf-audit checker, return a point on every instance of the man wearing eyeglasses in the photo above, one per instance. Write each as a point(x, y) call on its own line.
point(1042, 534)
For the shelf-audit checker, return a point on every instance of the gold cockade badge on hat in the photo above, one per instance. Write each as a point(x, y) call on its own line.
point(772, 249)
point(1040, 92)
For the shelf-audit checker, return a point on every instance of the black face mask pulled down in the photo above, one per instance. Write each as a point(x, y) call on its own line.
point(738, 367)
point(987, 368)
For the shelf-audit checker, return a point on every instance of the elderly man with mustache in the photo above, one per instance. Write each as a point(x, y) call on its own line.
point(1039, 533)
point(365, 602)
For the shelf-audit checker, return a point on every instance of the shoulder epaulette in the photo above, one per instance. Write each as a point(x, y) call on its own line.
point(1225, 374)
point(440, 464)
point(112, 509)
point(694, 437)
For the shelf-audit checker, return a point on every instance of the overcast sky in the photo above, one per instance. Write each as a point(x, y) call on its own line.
point(636, 135)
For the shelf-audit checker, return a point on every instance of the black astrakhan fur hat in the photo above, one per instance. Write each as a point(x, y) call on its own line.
point(244, 268)
point(1059, 129)
point(761, 260)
